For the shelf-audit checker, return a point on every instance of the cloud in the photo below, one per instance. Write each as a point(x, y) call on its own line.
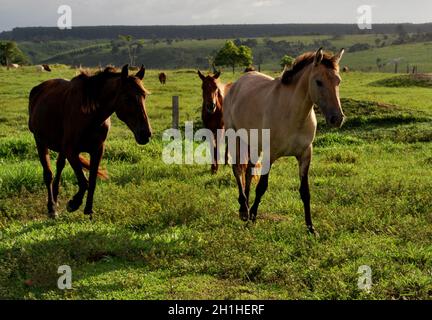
point(15, 13)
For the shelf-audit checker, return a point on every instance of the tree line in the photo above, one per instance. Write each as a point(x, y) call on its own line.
point(202, 32)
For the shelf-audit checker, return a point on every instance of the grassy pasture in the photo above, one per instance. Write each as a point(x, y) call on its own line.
point(172, 232)
point(186, 52)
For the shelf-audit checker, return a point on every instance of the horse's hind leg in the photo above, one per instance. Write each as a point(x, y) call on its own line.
point(238, 170)
point(61, 162)
point(48, 177)
point(75, 203)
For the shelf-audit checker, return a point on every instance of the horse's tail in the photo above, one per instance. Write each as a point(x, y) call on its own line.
point(103, 174)
point(256, 177)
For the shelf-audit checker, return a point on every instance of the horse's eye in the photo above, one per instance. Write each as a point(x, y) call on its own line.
point(319, 83)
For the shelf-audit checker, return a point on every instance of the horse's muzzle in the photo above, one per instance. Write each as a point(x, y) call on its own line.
point(143, 137)
point(211, 108)
point(335, 121)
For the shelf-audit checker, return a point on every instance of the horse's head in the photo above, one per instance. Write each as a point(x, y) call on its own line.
point(131, 105)
point(210, 90)
point(324, 86)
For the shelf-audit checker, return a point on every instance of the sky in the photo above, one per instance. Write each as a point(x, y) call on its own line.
point(24, 13)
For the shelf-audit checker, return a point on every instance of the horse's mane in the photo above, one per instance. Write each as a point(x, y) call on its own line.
point(306, 59)
point(89, 85)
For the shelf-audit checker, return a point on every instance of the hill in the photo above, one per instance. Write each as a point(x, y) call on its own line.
point(201, 32)
point(362, 51)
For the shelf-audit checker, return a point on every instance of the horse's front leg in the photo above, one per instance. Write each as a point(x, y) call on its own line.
point(304, 163)
point(61, 162)
point(95, 159)
point(215, 156)
point(75, 203)
point(259, 193)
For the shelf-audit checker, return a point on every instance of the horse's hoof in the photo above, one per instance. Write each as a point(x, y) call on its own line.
point(53, 214)
point(72, 206)
point(312, 231)
point(88, 212)
point(244, 216)
point(253, 217)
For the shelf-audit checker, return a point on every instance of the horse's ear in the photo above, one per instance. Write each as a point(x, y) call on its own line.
point(141, 73)
point(339, 56)
point(217, 75)
point(201, 75)
point(125, 72)
point(319, 55)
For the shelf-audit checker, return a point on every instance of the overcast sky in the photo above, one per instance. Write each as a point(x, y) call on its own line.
point(23, 13)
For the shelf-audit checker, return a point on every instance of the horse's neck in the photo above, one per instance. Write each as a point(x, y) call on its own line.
point(107, 102)
point(222, 93)
point(301, 100)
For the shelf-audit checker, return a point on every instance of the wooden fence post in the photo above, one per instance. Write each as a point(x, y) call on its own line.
point(175, 112)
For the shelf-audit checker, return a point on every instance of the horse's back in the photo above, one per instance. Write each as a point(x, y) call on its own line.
point(46, 108)
point(243, 106)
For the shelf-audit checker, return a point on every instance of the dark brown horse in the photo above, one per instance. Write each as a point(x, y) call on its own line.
point(46, 67)
point(71, 117)
point(162, 78)
point(212, 110)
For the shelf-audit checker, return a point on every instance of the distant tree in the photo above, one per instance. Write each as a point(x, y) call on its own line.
point(377, 42)
point(210, 61)
point(128, 40)
point(359, 47)
point(251, 43)
point(379, 63)
point(115, 47)
point(403, 35)
point(232, 55)
point(132, 47)
point(10, 53)
point(286, 61)
point(260, 60)
point(238, 42)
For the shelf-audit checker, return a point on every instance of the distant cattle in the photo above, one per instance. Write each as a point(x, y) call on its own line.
point(43, 67)
point(162, 78)
point(249, 69)
point(13, 66)
point(345, 69)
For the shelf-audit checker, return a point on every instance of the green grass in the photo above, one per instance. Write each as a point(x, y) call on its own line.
point(172, 232)
point(194, 53)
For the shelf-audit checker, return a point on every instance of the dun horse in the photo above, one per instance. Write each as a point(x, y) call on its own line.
point(71, 117)
point(285, 106)
point(212, 110)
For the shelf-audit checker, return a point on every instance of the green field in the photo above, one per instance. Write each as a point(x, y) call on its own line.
point(195, 53)
point(172, 232)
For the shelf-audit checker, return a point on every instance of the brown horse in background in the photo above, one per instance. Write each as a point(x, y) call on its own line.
point(71, 117)
point(162, 78)
point(212, 110)
point(285, 107)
